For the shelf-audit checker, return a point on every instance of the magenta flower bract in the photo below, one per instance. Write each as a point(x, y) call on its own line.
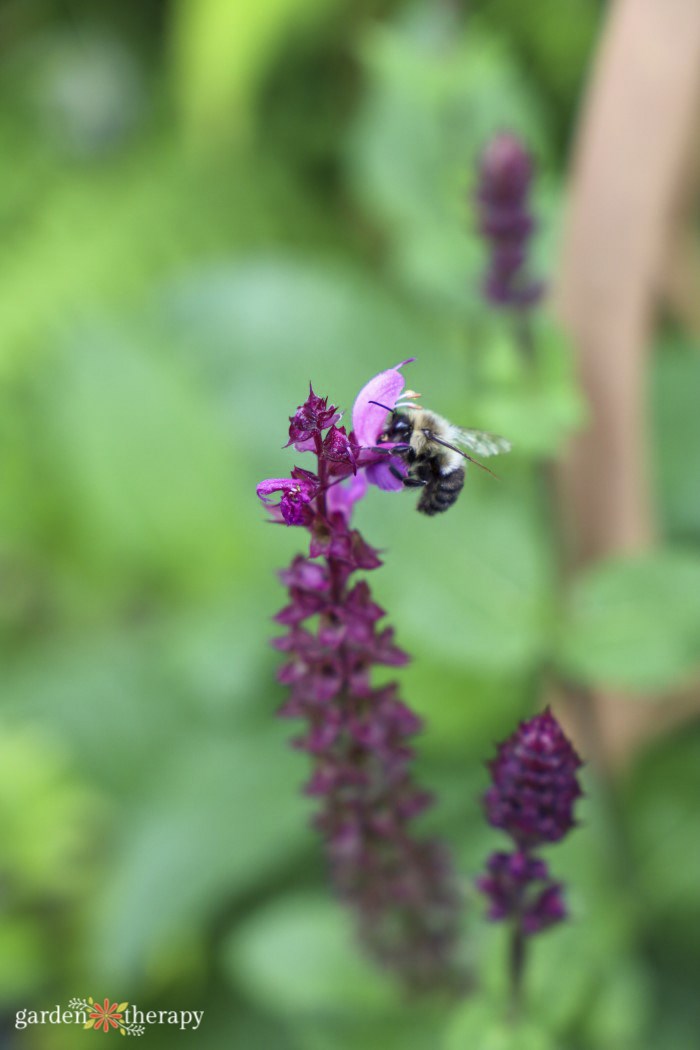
point(357, 732)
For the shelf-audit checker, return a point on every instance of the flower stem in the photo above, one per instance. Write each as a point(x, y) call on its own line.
point(517, 948)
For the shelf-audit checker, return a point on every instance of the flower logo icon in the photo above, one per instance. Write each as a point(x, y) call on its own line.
point(106, 1015)
point(101, 1017)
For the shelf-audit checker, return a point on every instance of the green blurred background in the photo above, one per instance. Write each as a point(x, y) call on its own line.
point(205, 205)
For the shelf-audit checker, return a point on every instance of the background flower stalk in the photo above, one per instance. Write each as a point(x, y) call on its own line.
point(531, 797)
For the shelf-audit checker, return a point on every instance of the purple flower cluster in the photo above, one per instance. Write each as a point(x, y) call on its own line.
point(519, 886)
point(357, 733)
point(505, 221)
point(531, 798)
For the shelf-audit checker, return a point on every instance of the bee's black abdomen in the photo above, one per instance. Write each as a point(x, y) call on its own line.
point(441, 492)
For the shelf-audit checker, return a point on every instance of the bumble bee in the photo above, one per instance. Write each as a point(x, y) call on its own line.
point(427, 444)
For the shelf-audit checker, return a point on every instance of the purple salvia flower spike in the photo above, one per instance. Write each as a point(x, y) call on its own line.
point(357, 734)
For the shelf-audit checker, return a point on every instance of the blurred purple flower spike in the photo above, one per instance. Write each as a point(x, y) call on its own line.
point(533, 790)
point(506, 222)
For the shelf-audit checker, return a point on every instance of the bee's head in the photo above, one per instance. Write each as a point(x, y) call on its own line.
point(399, 428)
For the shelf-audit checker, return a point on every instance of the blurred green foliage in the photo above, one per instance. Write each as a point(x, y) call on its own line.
point(204, 206)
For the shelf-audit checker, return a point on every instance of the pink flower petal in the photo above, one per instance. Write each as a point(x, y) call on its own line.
point(367, 420)
point(380, 474)
point(341, 498)
point(270, 485)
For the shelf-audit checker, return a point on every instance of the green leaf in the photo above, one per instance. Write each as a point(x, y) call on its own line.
point(530, 392)
point(634, 623)
point(480, 1025)
point(435, 94)
point(477, 596)
point(75, 239)
point(24, 960)
point(675, 394)
point(622, 1013)
point(298, 955)
point(221, 51)
point(149, 476)
point(291, 320)
point(224, 816)
point(660, 809)
point(47, 819)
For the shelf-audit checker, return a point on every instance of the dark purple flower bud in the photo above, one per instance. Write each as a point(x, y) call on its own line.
point(505, 222)
point(506, 169)
point(307, 478)
point(519, 887)
point(534, 783)
point(336, 448)
point(546, 910)
point(304, 575)
point(310, 419)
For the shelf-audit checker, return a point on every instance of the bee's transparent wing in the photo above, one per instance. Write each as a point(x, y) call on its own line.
point(480, 442)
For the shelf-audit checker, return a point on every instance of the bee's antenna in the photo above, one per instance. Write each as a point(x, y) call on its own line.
point(380, 405)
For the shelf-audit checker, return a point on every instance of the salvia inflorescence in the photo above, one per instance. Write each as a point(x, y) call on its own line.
point(356, 733)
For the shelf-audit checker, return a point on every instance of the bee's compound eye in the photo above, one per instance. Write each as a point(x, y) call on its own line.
point(400, 427)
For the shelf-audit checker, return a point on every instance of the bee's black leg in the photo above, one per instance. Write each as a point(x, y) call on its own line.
point(406, 452)
point(409, 482)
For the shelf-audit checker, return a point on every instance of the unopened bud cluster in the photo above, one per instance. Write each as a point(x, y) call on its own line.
point(532, 795)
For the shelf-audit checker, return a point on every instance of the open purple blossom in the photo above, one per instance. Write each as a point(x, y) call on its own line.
point(339, 454)
point(368, 419)
point(357, 733)
point(297, 493)
point(506, 222)
point(533, 790)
